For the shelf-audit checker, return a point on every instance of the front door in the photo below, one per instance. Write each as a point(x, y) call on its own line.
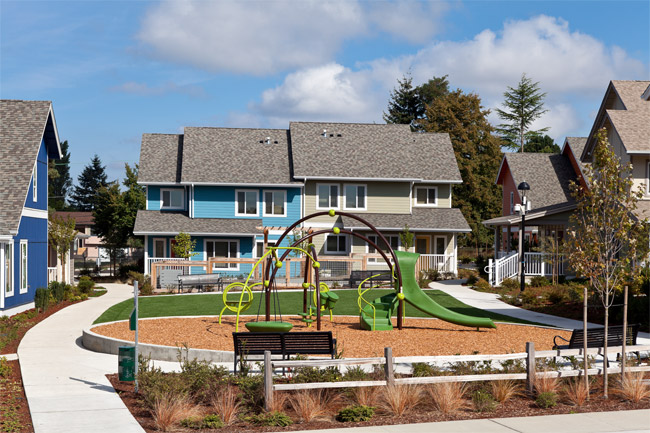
point(422, 244)
point(159, 248)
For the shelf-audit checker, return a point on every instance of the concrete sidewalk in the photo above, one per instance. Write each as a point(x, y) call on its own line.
point(490, 302)
point(65, 384)
point(632, 421)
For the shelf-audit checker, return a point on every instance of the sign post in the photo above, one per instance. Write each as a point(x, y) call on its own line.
point(133, 326)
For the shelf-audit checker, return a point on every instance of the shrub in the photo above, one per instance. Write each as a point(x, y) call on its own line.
point(364, 396)
point(447, 397)
point(144, 282)
point(531, 298)
point(576, 294)
point(465, 259)
point(556, 295)
point(546, 384)
point(226, 404)
point(424, 369)
point(311, 405)
point(504, 390)
point(356, 373)
point(539, 281)
point(85, 284)
point(42, 298)
point(199, 375)
point(271, 419)
point(399, 399)
point(195, 423)
point(252, 389)
point(483, 401)
point(576, 392)
point(58, 290)
point(546, 400)
point(472, 279)
point(510, 284)
point(482, 284)
point(633, 388)
point(433, 274)
point(5, 368)
point(212, 421)
point(154, 385)
point(125, 269)
point(355, 414)
point(169, 409)
point(313, 374)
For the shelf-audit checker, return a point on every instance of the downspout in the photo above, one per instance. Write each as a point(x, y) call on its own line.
point(411, 198)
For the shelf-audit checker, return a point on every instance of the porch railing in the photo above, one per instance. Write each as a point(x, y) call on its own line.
point(439, 262)
point(543, 264)
point(51, 275)
point(536, 264)
point(152, 260)
point(502, 268)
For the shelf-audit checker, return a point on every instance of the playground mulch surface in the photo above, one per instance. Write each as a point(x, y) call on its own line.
point(419, 337)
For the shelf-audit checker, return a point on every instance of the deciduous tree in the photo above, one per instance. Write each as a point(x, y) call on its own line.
point(606, 238)
point(61, 234)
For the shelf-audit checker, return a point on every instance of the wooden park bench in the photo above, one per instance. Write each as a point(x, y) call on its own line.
point(199, 281)
point(283, 343)
point(596, 337)
point(376, 276)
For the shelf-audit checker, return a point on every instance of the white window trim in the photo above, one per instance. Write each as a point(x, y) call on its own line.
point(415, 197)
point(35, 182)
point(162, 207)
point(13, 268)
point(347, 244)
point(338, 196)
point(258, 242)
point(435, 244)
point(26, 267)
point(647, 178)
point(164, 241)
point(284, 192)
point(379, 241)
point(365, 196)
point(205, 254)
point(257, 203)
point(512, 203)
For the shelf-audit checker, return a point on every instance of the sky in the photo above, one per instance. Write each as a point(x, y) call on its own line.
point(117, 69)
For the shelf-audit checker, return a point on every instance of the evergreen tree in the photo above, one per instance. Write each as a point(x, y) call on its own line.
point(404, 106)
point(433, 89)
point(91, 179)
point(478, 154)
point(542, 144)
point(60, 182)
point(523, 106)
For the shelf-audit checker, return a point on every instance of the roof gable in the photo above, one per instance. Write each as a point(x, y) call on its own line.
point(160, 158)
point(24, 125)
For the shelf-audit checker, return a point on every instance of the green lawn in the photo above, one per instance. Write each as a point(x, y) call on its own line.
point(210, 304)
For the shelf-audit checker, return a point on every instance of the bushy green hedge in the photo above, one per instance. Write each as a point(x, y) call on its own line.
point(42, 298)
point(355, 413)
point(85, 284)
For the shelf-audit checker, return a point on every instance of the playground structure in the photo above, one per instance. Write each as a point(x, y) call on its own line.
point(374, 315)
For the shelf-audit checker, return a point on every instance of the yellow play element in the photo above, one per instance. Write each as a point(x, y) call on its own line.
point(242, 302)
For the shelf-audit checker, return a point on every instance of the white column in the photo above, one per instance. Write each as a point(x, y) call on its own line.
point(455, 259)
point(146, 255)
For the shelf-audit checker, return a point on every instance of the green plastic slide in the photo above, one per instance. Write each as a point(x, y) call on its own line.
point(414, 295)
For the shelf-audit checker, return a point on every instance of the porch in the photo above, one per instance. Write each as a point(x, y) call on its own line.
point(535, 264)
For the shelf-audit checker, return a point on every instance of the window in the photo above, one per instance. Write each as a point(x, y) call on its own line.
point(441, 244)
point(8, 250)
point(274, 203)
point(426, 196)
point(328, 196)
point(512, 202)
point(246, 202)
point(35, 182)
point(259, 248)
point(393, 240)
point(336, 244)
point(355, 197)
point(159, 248)
point(23, 266)
point(172, 198)
point(222, 249)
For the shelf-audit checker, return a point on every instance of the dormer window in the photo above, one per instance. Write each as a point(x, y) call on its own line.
point(172, 198)
point(426, 196)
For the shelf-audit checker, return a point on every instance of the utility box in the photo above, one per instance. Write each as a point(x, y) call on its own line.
point(126, 363)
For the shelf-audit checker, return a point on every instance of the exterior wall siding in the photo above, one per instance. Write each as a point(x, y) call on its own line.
point(41, 182)
point(640, 174)
point(153, 197)
point(508, 187)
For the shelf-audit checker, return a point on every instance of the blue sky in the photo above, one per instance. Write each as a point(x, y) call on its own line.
point(117, 69)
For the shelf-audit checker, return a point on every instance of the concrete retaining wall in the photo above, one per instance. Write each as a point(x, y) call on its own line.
point(103, 344)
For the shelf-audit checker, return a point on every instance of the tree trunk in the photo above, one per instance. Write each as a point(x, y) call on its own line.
point(584, 344)
point(605, 342)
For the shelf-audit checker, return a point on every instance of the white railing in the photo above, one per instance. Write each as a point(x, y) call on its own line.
point(543, 264)
point(503, 268)
point(439, 262)
point(152, 260)
point(51, 275)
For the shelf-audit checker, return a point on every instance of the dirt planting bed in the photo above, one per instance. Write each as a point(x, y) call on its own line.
point(420, 337)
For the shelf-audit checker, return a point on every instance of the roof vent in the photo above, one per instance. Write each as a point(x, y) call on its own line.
point(325, 133)
point(339, 135)
point(268, 140)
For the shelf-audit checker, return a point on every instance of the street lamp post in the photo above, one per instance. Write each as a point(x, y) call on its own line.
point(525, 205)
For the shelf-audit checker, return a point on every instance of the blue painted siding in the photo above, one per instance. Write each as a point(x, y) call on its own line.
point(153, 198)
point(41, 182)
point(219, 202)
point(34, 230)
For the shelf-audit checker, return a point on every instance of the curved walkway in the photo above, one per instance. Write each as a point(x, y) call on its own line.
point(65, 384)
point(490, 302)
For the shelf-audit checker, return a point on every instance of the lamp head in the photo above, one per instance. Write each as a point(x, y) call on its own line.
point(523, 188)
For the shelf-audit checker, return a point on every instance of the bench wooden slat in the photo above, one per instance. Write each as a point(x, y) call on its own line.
point(596, 337)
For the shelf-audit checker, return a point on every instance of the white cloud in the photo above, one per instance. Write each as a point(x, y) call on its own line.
point(144, 89)
point(572, 67)
point(263, 37)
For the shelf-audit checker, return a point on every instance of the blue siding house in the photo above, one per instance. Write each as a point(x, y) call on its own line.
point(28, 137)
point(223, 186)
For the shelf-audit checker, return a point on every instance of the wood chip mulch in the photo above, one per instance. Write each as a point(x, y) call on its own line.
point(419, 337)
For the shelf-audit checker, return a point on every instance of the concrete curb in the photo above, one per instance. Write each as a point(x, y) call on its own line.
point(100, 343)
point(10, 356)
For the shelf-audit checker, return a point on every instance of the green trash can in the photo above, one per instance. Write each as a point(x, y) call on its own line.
point(126, 363)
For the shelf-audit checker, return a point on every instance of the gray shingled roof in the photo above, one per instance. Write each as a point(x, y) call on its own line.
point(577, 145)
point(23, 124)
point(353, 150)
point(422, 219)
point(236, 155)
point(160, 158)
point(157, 222)
point(547, 174)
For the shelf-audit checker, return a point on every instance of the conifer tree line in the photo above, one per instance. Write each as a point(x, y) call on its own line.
point(433, 107)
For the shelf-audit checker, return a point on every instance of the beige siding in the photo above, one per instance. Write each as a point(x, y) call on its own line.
point(382, 197)
point(640, 173)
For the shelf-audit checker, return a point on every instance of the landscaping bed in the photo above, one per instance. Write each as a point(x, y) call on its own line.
point(14, 411)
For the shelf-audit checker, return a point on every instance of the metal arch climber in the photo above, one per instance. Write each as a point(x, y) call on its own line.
point(269, 277)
